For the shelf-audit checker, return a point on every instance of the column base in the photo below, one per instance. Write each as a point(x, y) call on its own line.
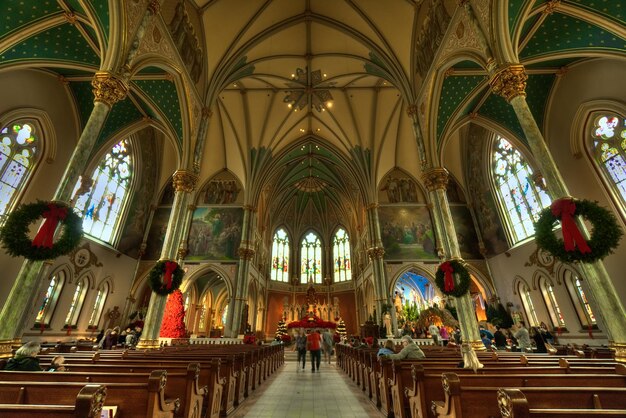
point(148, 344)
point(477, 345)
point(6, 347)
point(620, 351)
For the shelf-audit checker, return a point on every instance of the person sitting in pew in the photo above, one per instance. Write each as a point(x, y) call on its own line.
point(486, 341)
point(387, 349)
point(410, 350)
point(57, 364)
point(500, 339)
point(25, 359)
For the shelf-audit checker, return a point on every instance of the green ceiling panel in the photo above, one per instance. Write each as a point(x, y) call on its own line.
point(62, 43)
point(611, 9)
point(71, 72)
point(75, 5)
point(152, 70)
point(468, 64)
point(553, 63)
point(528, 25)
point(515, 8)
point(101, 7)
point(164, 95)
point(122, 114)
point(472, 104)
point(453, 91)
point(19, 14)
point(83, 95)
point(498, 110)
point(560, 32)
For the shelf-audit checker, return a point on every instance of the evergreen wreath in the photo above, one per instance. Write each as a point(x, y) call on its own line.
point(459, 275)
point(14, 233)
point(160, 282)
point(604, 239)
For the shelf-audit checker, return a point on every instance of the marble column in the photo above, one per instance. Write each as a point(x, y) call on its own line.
point(184, 183)
point(108, 90)
point(376, 253)
point(510, 82)
point(436, 180)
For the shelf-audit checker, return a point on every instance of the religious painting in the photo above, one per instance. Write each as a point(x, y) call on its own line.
point(397, 187)
point(221, 192)
point(215, 234)
point(156, 236)
point(465, 232)
point(407, 233)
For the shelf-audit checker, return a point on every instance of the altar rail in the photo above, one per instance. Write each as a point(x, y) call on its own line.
point(194, 341)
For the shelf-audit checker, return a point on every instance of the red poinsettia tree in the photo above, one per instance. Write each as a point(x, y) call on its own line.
point(173, 325)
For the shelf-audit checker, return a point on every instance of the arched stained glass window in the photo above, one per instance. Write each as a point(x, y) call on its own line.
point(311, 259)
point(520, 197)
point(527, 302)
point(341, 256)
point(581, 303)
point(608, 134)
point(102, 204)
point(19, 151)
point(71, 319)
point(44, 315)
point(224, 315)
point(280, 256)
point(98, 305)
point(554, 310)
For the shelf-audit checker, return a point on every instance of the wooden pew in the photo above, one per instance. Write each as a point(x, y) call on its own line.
point(513, 404)
point(89, 402)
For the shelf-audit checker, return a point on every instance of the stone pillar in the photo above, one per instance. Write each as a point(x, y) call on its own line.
point(184, 184)
point(510, 82)
point(376, 253)
point(108, 89)
point(436, 180)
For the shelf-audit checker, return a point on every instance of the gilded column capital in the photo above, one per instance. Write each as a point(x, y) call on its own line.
point(620, 351)
point(184, 181)
point(435, 178)
point(108, 89)
point(154, 6)
point(376, 252)
point(181, 253)
point(372, 206)
point(509, 82)
point(245, 253)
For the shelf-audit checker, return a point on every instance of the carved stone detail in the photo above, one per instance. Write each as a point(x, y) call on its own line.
point(375, 252)
point(245, 253)
point(435, 179)
point(184, 181)
point(133, 10)
point(620, 351)
point(509, 82)
point(82, 257)
point(551, 6)
point(155, 42)
point(108, 89)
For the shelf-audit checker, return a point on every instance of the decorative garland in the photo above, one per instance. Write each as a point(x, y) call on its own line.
point(14, 234)
point(445, 278)
point(605, 235)
point(165, 277)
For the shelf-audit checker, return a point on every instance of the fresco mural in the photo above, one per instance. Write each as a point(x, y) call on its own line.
point(407, 233)
point(215, 234)
point(156, 236)
point(465, 232)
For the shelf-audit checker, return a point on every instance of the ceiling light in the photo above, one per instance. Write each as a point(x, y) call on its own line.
point(329, 104)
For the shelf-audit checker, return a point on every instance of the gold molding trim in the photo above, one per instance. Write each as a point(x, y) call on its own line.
point(376, 252)
point(184, 181)
point(108, 89)
point(245, 253)
point(509, 82)
point(435, 179)
point(620, 351)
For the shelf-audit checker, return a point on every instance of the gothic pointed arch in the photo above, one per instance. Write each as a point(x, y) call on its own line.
point(523, 290)
point(576, 288)
point(281, 255)
point(56, 282)
point(342, 261)
point(546, 285)
point(104, 288)
point(311, 258)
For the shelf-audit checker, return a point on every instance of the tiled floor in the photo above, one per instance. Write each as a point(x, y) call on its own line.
point(302, 394)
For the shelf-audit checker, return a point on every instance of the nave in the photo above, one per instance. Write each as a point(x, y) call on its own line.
point(293, 392)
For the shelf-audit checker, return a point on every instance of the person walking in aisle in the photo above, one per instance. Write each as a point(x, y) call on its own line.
point(301, 347)
point(314, 343)
point(327, 344)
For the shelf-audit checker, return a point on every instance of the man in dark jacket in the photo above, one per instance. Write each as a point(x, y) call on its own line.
point(25, 359)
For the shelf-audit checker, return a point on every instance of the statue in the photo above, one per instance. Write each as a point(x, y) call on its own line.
point(387, 323)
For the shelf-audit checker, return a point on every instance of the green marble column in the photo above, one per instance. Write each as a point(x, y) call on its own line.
point(436, 180)
point(510, 83)
point(184, 184)
point(376, 253)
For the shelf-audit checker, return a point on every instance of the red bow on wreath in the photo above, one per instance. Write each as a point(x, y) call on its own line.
point(448, 282)
point(53, 215)
point(565, 208)
point(170, 266)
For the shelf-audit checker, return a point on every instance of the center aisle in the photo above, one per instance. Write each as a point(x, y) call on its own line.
point(297, 393)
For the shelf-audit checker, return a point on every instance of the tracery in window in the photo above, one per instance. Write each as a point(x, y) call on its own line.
point(280, 256)
point(71, 319)
point(98, 305)
point(311, 259)
point(341, 256)
point(579, 298)
point(527, 302)
point(102, 204)
point(608, 135)
point(519, 195)
point(19, 150)
point(46, 309)
point(554, 310)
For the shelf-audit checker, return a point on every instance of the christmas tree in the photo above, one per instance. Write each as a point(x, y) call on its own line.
point(173, 325)
point(282, 329)
point(341, 328)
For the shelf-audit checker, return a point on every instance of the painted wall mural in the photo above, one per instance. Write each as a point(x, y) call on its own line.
point(156, 236)
point(465, 232)
point(407, 233)
point(215, 234)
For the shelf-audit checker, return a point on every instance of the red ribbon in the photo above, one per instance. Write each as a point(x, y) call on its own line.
point(559, 331)
point(589, 329)
point(69, 330)
point(565, 208)
point(42, 327)
point(46, 233)
point(170, 266)
point(448, 282)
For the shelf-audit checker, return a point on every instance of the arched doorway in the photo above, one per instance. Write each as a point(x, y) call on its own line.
point(207, 312)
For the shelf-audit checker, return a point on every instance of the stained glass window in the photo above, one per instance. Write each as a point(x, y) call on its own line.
point(102, 204)
point(581, 303)
point(311, 259)
point(280, 256)
point(608, 135)
point(19, 151)
point(224, 315)
point(98, 306)
point(529, 307)
point(44, 315)
point(521, 198)
point(553, 307)
point(77, 302)
point(202, 317)
point(341, 256)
